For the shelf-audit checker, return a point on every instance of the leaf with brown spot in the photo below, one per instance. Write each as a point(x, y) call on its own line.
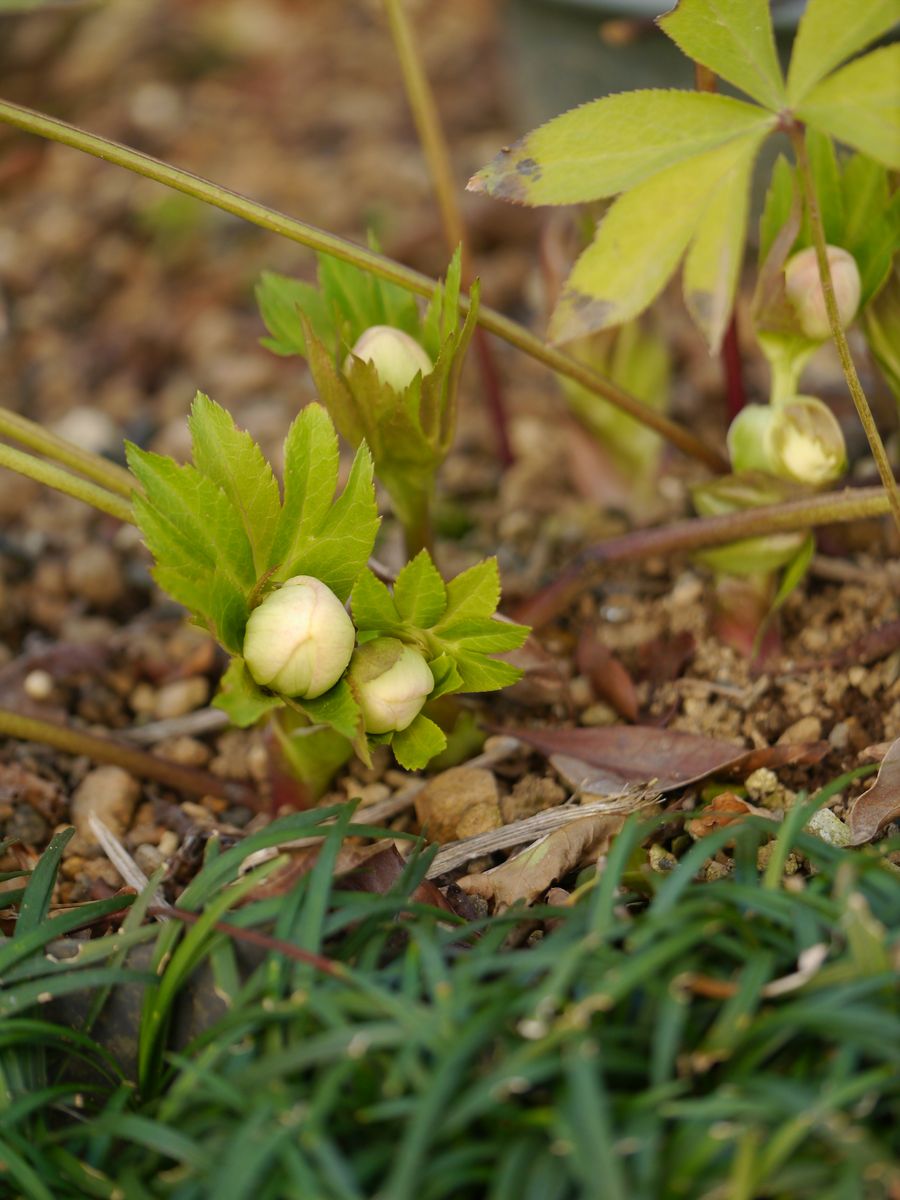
point(666, 758)
point(880, 803)
point(724, 809)
point(530, 874)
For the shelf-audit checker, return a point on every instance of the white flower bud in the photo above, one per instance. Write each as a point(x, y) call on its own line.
point(804, 289)
point(807, 442)
point(299, 640)
point(391, 682)
point(396, 356)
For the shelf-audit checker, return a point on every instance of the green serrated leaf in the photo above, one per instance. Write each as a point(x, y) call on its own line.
point(232, 460)
point(415, 746)
point(778, 205)
point(830, 31)
point(794, 573)
point(482, 674)
point(447, 678)
point(734, 38)
point(339, 549)
point(281, 301)
point(871, 222)
point(641, 240)
point(485, 635)
point(198, 540)
point(241, 698)
point(331, 542)
point(336, 708)
point(373, 606)
point(419, 592)
point(474, 593)
point(860, 105)
point(615, 143)
point(715, 257)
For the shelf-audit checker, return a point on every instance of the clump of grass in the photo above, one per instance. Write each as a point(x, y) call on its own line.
point(737, 1039)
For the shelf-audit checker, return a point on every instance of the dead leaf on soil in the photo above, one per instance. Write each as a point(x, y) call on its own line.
point(609, 678)
point(724, 809)
point(880, 803)
point(530, 874)
point(602, 759)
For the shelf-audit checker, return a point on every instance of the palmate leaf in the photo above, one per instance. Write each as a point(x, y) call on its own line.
point(420, 595)
point(230, 457)
point(610, 145)
point(281, 302)
point(860, 105)
point(734, 38)
point(241, 697)
point(713, 263)
point(330, 540)
point(415, 746)
point(830, 31)
point(642, 239)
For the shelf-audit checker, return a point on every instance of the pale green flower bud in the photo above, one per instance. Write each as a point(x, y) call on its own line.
point(807, 442)
point(397, 357)
point(804, 289)
point(391, 682)
point(299, 640)
point(799, 440)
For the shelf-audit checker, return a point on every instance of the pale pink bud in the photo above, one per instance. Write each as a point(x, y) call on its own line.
point(804, 289)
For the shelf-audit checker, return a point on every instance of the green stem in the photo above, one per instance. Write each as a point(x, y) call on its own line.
point(328, 243)
point(66, 482)
point(137, 762)
point(699, 533)
point(798, 139)
point(94, 466)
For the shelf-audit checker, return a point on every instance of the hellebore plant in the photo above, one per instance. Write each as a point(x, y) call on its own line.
point(387, 373)
point(269, 577)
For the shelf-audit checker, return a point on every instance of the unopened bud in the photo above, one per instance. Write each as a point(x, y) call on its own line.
point(804, 289)
point(391, 682)
point(397, 357)
point(799, 440)
point(299, 640)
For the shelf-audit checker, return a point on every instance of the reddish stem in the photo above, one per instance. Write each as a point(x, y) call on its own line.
point(735, 393)
point(493, 391)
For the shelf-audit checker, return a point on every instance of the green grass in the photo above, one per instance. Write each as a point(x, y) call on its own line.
point(435, 1062)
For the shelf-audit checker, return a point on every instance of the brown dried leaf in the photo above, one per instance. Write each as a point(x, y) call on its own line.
point(724, 809)
point(663, 659)
point(609, 678)
point(666, 758)
point(880, 803)
point(530, 874)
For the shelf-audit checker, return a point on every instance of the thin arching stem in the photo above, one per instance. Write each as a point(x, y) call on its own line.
point(699, 533)
point(798, 140)
point(385, 268)
point(64, 481)
point(437, 156)
point(107, 474)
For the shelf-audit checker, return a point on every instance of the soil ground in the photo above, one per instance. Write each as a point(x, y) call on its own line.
point(119, 300)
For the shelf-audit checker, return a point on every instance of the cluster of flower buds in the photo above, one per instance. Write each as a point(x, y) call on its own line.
point(397, 357)
point(799, 440)
point(803, 287)
point(300, 640)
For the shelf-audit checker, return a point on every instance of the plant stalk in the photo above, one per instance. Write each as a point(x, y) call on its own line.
point(798, 139)
point(108, 474)
point(329, 243)
point(699, 533)
point(66, 482)
point(437, 156)
point(137, 762)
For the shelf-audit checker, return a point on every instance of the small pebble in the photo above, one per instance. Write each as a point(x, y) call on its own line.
point(148, 858)
point(180, 697)
point(807, 729)
point(830, 828)
point(108, 793)
point(94, 575)
point(458, 803)
point(38, 685)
